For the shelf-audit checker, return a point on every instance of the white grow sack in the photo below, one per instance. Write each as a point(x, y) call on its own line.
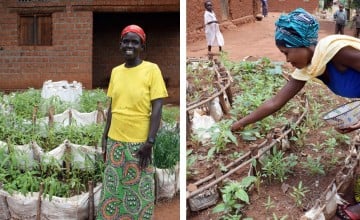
point(69, 92)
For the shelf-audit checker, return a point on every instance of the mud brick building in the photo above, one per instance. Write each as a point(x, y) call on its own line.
point(79, 40)
point(227, 12)
point(236, 12)
point(289, 5)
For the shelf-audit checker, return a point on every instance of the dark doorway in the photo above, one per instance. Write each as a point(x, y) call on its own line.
point(162, 46)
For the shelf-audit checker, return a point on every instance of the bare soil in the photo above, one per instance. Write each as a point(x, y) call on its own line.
point(168, 209)
point(257, 40)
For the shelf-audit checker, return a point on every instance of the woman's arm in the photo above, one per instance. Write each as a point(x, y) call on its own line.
point(347, 57)
point(272, 105)
point(155, 117)
point(144, 152)
point(106, 131)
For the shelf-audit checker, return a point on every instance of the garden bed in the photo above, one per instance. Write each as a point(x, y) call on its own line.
point(51, 160)
point(287, 181)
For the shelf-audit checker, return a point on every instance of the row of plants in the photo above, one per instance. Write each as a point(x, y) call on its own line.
point(200, 77)
point(18, 127)
point(253, 85)
point(20, 174)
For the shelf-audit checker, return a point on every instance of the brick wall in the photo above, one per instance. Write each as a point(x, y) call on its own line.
point(71, 55)
point(227, 12)
point(289, 5)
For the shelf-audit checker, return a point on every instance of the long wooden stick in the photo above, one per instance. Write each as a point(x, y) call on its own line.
point(91, 201)
point(38, 211)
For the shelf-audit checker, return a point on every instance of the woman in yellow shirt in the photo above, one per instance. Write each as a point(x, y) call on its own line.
point(136, 90)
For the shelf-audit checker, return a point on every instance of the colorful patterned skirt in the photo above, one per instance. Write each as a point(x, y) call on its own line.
point(127, 191)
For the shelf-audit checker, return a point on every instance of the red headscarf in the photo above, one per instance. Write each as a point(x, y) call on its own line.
point(134, 29)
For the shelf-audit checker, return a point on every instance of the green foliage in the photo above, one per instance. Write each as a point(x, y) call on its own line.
point(314, 119)
point(277, 218)
point(18, 174)
point(314, 165)
point(167, 149)
point(268, 205)
point(170, 114)
point(190, 161)
point(221, 135)
point(90, 98)
point(277, 166)
point(23, 102)
point(234, 196)
point(355, 4)
point(335, 138)
point(298, 194)
point(200, 76)
point(256, 85)
point(301, 132)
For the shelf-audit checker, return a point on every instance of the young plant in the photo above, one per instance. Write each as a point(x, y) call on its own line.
point(282, 218)
point(298, 194)
point(167, 149)
point(268, 205)
point(170, 114)
point(234, 195)
point(190, 161)
point(314, 165)
point(277, 166)
point(301, 132)
point(221, 135)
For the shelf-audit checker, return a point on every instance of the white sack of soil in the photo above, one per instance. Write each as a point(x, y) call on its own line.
point(69, 92)
point(73, 208)
point(215, 109)
point(26, 153)
point(80, 154)
point(72, 116)
point(167, 182)
point(200, 126)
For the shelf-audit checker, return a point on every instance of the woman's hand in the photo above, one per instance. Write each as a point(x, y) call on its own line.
point(348, 129)
point(236, 126)
point(144, 155)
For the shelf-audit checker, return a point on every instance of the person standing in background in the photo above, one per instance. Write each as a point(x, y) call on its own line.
point(264, 6)
point(356, 20)
point(212, 30)
point(340, 19)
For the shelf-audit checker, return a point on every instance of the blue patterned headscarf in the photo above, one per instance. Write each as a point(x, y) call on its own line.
point(297, 29)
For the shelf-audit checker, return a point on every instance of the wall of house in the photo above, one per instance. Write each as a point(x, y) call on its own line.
point(71, 55)
point(227, 12)
point(68, 58)
point(289, 5)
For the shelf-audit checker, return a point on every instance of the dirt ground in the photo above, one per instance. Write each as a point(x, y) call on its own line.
point(257, 40)
point(167, 209)
point(253, 39)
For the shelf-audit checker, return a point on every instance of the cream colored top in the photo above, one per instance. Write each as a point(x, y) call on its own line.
point(325, 50)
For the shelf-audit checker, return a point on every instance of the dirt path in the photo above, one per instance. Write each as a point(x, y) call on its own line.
point(168, 209)
point(254, 39)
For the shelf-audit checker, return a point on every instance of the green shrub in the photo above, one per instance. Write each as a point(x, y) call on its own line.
point(167, 149)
